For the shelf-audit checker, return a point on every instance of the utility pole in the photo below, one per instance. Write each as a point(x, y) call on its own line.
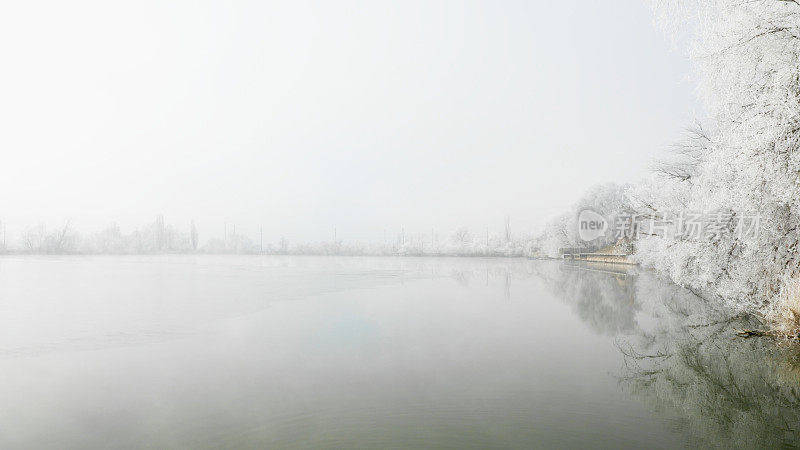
point(334, 234)
point(487, 236)
point(261, 239)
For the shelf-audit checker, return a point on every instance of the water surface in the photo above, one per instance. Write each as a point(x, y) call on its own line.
point(270, 351)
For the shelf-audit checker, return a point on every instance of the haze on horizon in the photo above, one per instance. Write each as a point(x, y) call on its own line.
point(305, 116)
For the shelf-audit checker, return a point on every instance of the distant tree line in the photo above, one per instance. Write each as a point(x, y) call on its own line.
point(160, 237)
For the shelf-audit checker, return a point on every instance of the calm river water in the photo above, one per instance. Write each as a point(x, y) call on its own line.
point(343, 352)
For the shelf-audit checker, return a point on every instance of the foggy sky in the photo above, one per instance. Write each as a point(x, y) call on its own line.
point(304, 116)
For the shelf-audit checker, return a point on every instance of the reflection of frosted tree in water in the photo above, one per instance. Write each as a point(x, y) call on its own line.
point(603, 299)
point(732, 392)
point(682, 357)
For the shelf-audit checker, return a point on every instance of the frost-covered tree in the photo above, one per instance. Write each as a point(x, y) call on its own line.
point(61, 240)
point(193, 236)
point(461, 236)
point(33, 238)
point(748, 58)
point(610, 200)
point(160, 233)
point(109, 240)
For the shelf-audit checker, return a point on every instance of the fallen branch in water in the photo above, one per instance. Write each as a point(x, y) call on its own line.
point(761, 333)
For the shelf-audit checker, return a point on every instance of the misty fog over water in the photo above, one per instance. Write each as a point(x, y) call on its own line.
point(254, 351)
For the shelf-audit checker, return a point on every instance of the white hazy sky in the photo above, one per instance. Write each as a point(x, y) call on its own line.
point(302, 116)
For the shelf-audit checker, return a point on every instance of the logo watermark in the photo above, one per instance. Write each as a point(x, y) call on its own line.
point(689, 225)
point(591, 225)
